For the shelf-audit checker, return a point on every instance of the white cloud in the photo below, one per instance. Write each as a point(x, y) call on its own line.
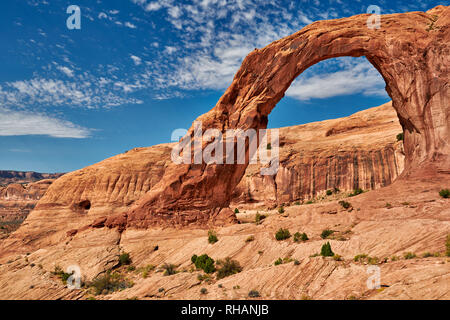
point(20, 123)
point(68, 72)
point(356, 77)
point(130, 25)
point(84, 91)
point(136, 60)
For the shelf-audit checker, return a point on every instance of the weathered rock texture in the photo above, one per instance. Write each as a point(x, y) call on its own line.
point(360, 151)
point(410, 50)
point(16, 202)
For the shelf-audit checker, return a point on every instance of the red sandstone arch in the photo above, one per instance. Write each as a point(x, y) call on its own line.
point(411, 52)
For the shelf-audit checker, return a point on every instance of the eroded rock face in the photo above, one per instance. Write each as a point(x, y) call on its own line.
point(17, 201)
point(359, 151)
point(410, 50)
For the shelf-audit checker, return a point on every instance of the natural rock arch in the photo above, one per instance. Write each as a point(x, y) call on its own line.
point(411, 52)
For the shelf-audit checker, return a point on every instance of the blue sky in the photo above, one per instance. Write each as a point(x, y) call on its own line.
point(139, 69)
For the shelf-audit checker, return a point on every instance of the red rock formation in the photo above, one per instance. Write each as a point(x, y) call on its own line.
point(410, 50)
point(17, 200)
point(362, 152)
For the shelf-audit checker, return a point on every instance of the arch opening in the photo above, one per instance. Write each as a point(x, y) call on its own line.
point(412, 61)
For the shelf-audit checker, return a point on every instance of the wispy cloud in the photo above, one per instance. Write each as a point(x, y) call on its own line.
point(19, 123)
point(355, 77)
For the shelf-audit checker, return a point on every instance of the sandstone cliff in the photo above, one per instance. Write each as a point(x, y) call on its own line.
point(17, 201)
point(360, 151)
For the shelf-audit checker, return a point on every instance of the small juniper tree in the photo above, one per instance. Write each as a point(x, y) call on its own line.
point(326, 250)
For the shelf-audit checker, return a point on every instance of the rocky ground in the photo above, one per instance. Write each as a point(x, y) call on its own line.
point(384, 224)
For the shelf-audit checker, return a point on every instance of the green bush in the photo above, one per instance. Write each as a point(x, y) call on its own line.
point(326, 250)
point(400, 137)
point(254, 294)
point(169, 269)
point(282, 234)
point(236, 210)
point(278, 261)
point(326, 233)
point(300, 237)
point(212, 237)
point(203, 291)
point(64, 276)
point(227, 267)
point(329, 192)
point(345, 204)
point(281, 209)
point(356, 192)
point(194, 258)
point(409, 255)
point(108, 283)
point(259, 218)
point(269, 146)
point(124, 259)
point(445, 193)
point(205, 263)
point(250, 239)
point(360, 257)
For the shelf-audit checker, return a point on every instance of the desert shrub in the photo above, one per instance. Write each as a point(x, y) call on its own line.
point(146, 270)
point(400, 136)
point(296, 262)
point(278, 261)
point(131, 268)
point(236, 210)
point(329, 192)
point(444, 193)
point(212, 237)
point(360, 257)
point(203, 291)
point(205, 263)
point(64, 276)
point(259, 218)
point(194, 258)
point(254, 294)
point(124, 259)
point(281, 209)
point(409, 255)
point(337, 257)
point(356, 192)
point(169, 269)
point(326, 233)
point(388, 205)
point(269, 146)
point(372, 260)
point(250, 239)
point(394, 258)
point(204, 277)
point(309, 202)
point(345, 204)
point(447, 246)
point(427, 255)
point(282, 234)
point(326, 250)
point(297, 203)
point(108, 283)
point(300, 237)
point(227, 267)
